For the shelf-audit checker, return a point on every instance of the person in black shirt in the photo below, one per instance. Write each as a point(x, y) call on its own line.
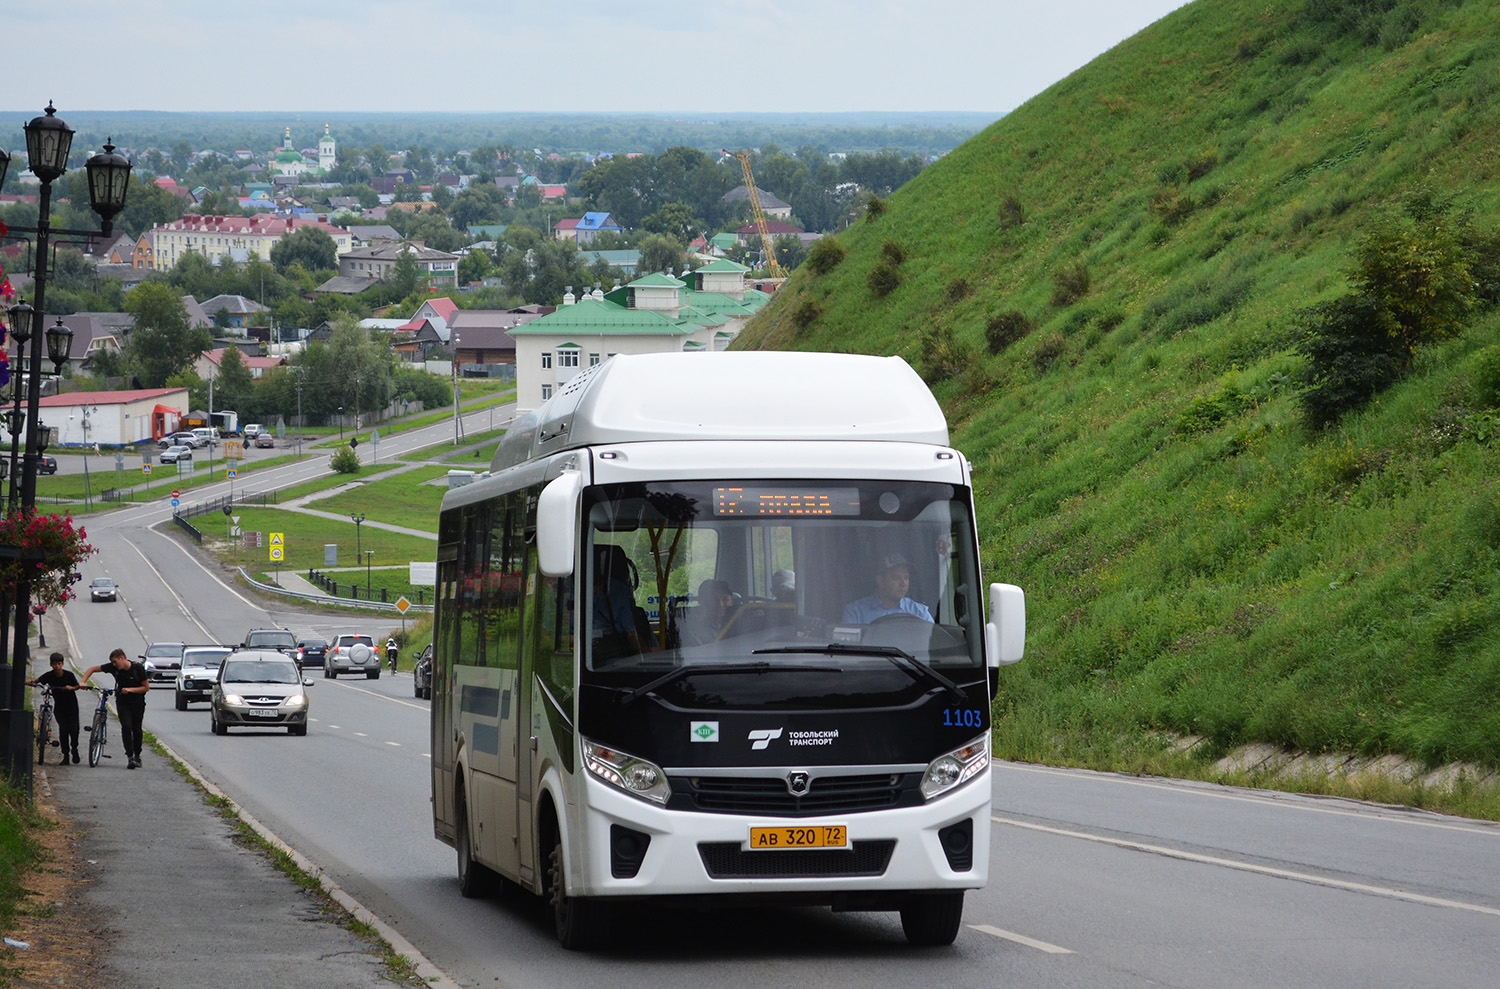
point(132, 683)
point(64, 703)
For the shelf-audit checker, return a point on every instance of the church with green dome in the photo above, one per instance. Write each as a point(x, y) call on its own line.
point(289, 161)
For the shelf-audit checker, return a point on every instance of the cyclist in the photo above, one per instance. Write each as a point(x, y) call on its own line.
point(391, 649)
point(64, 703)
point(132, 683)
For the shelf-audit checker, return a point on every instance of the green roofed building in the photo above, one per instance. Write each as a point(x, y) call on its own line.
point(700, 312)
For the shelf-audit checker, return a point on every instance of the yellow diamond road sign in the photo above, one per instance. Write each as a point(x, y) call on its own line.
point(402, 604)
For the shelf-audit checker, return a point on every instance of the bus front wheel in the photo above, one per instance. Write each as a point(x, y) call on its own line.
point(579, 920)
point(932, 920)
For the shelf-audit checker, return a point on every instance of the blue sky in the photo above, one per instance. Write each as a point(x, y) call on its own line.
point(585, 55)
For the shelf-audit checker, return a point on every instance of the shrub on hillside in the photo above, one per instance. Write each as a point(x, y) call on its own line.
point(1048, 350)
point(884, 278)
point(1003, 329)
point(344, 461)
point(943, 356)
point(1201, 164)
point(1011, 212)
point(1070, 283)
point(1350, 359)
point(959, 290)
point(806, 312)
point(825, 255)
point(1206, 412)
point(874, 209)
point(1486, 377)
point(893, 252)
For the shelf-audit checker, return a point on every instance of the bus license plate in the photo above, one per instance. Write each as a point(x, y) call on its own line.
point(814, 836)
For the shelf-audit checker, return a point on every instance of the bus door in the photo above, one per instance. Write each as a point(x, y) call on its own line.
point(442, 743)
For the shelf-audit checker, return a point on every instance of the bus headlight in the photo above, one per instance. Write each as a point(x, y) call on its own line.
point(636, 777)
point(956, 767)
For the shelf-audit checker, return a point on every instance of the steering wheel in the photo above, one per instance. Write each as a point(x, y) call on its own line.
point(896, 617)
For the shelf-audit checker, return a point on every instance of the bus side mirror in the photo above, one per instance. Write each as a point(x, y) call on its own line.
point(557, 524)
point(1005, 634)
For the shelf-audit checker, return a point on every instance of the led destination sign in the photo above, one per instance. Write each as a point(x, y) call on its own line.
point(766, 502)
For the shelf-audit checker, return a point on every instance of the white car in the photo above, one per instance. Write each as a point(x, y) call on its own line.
point(173, 454)
point(253, 430)
point(200, 668)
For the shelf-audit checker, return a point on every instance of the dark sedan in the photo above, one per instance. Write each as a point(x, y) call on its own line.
point(47, 465)
point(311, 651)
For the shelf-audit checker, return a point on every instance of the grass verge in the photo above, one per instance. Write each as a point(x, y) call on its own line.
point(19, 853)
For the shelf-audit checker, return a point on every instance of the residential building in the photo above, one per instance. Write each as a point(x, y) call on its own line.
point(208, 363)
point(212, 236)
point(750, 233)
point(703, 311)
point(483, 336)
point(379, 259)
point(769, 203)
point(242, 312)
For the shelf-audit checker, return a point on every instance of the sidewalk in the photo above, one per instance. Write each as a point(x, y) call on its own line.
point(182, 901)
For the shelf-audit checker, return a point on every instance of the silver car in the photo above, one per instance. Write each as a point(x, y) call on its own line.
point(259, 689)
point(200, 668)
point(173, 454)
point(351, 653)
point(163, 660)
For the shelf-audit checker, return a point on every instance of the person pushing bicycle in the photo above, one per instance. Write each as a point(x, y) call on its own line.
point(64, 687)
point(132, 683)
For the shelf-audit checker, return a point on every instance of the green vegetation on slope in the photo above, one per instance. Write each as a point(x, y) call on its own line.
point(1106, 288)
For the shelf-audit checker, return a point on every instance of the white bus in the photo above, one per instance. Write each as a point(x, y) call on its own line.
point(712, 625)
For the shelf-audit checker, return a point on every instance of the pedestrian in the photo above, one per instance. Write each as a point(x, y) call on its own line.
point(132, 683)
point(64, 687)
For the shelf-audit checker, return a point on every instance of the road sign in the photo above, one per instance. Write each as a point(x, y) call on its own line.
point(176, 494)
point(234, 530)
point(402, 604)
point(278, 539)
point(146, 469)
point(176, 502)
point(235, 519)
point(275, 554)
point(233, 473)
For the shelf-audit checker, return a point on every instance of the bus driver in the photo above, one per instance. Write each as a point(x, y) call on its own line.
point(892, 582)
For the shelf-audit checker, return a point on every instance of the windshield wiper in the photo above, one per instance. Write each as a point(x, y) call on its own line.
point(680, 672)
point(902, 658)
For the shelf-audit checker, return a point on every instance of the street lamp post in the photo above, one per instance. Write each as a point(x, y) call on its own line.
point(358, 520)
point(369, 553)
point(299, 411)
point(341, 423)
point(48, 141)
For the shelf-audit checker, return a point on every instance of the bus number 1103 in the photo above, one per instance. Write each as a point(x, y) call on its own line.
point(962, 717)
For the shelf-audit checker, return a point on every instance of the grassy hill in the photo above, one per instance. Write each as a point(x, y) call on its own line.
point(1107, 289)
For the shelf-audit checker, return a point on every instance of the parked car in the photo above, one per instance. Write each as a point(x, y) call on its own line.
point(102, 589)
point(352, 654)
point(47, 465)
point(259, 689)
point(163, 660)
point(199, 670)
point(311, 651)
point(253, 429)
point(271, 638)
point(421, 673)
point(174, 454)
point(265, 440)
point(207, 435)
point(178, 439)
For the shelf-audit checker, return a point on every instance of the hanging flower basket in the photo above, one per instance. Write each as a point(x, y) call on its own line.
point(48, 550)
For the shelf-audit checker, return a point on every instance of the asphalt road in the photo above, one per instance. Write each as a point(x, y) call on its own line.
point(1095, 879)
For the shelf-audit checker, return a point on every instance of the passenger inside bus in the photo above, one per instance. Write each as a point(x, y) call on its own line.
point(620, 628)
point(705, 620)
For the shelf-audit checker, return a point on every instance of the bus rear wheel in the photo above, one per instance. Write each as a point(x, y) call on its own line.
point(474, 880)
point(932, 920)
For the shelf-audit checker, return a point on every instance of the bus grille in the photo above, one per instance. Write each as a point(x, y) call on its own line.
point(770, 795)
point(727, 860)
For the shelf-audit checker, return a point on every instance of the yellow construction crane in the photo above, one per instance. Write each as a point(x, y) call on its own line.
point(760, 215)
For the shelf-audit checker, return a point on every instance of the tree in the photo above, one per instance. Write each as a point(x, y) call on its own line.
point(308, 246)
point(790, 251)
point(676, 220)
point(234, 385)
point(660, 252)
point(475, 266)
point(162, 342)
point(477, 204)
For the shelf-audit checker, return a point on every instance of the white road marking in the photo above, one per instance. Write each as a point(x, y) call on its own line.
point(1264, 870)
point(396, 744)
point(209, 636)
point(1050, 949)
point(1472, 827)
point(207, 572)
point(361, 734)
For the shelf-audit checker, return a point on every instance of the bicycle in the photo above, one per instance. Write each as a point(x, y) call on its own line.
point(391, 653)
point(44, 725)
point(99, 730)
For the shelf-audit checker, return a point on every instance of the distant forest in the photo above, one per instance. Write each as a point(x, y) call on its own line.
point(445, 133)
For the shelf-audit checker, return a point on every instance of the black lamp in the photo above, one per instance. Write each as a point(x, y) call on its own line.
point(109, 181)
point(21, 317)
point(48, 141)
point(59, 344)
point(4, 164)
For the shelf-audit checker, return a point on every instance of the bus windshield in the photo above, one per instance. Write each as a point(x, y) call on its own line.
point(779, 575)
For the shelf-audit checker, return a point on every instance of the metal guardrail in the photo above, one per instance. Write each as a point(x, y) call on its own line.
point(327, 599)
point(188, 527)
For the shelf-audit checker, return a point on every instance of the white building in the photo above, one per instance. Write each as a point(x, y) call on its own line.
point(113, 418)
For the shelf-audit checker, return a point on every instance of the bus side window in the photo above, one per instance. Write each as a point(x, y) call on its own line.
point(553, 637)
point(502, 586)
point(469, 610)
